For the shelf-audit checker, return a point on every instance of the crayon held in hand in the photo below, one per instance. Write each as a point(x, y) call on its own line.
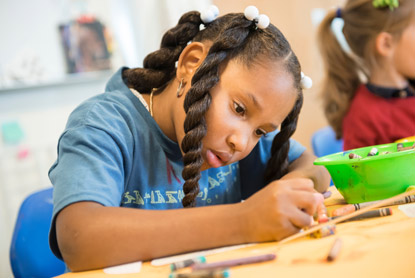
point(326, 194)
point(333, 222)
point(324, 231)
point(322, 214)
point(235, 262)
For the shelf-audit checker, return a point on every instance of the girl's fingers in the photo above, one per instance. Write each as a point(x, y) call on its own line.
point(309, 202)
point(302, 184)
point(301, 219)
point(289, 229)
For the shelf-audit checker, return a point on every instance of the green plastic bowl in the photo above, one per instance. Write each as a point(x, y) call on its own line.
point(371, 178)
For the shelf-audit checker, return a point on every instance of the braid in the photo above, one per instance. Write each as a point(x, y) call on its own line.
point(198, 100)
point(159, 66)
point(278, 163)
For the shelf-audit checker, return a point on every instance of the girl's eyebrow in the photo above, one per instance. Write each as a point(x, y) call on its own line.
point(258, 106)
point(254, 100)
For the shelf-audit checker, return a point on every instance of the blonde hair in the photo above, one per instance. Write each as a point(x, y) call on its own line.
point(344, 72)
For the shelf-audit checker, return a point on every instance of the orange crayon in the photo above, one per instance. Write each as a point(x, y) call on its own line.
point(344, 210)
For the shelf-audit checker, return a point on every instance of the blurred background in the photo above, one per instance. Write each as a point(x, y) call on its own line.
point(57, 53)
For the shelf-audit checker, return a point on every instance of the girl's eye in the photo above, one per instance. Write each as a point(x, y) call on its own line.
point(239, 109)
point(259, 132)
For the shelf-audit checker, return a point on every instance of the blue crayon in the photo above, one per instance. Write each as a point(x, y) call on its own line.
point(214, 273)
point(186, 263)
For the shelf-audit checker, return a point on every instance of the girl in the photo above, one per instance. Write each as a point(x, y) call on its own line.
point(207, 105)
point(378, 50)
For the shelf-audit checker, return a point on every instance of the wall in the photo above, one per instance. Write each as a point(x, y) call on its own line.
point(41, 103)
point(41, 112)
point(137, 25)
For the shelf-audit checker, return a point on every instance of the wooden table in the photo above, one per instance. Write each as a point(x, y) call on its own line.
point(377, 247)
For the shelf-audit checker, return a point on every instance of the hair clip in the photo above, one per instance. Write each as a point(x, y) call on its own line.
point(385, 3)
point(209, 15)
point(261, 20)
point(306, 81)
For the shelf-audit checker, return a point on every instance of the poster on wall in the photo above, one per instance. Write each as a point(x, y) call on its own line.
point(87, 45)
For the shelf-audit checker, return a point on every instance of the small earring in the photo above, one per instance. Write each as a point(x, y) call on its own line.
point(179, 89)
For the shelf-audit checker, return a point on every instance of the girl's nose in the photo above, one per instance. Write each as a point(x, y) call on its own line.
point(238, 141)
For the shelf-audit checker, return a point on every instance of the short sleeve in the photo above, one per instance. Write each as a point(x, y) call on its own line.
point(89, 168)
point(296, 150)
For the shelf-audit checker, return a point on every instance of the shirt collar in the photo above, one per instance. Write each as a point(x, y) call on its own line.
point(387, 92)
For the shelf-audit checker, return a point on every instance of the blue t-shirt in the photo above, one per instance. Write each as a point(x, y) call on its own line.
point(113, 152)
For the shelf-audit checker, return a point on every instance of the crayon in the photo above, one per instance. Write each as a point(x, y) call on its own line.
point(321, 216)
point(324, 231)
point(406, 148)
point(353, 207)
point(326, 194)
point(373, 152)
point(343, 210)
point(234, 262)
point(334, 250)
point(215, 273)
point(368, 214)
point(353, 156)
point(186, 263)
point(313, 229)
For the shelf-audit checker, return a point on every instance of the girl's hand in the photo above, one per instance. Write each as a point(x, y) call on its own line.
point(303, 167)
point(281, 209)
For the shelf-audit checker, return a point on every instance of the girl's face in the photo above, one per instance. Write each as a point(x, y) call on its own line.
point(247, 103)
point(404, 58)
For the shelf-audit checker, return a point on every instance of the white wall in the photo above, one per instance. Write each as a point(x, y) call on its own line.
point(42, 113)
point(41, 103)
point(29, 32)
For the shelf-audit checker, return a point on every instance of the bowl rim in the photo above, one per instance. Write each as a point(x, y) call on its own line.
point(324, 160)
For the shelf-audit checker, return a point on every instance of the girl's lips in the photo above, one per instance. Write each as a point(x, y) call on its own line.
point(213, 160)
point(223, 156)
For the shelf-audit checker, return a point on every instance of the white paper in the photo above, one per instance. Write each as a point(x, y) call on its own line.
point(408, 209)
point(124, 268)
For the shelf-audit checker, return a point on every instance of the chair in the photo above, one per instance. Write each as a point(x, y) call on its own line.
point(30, 255)
point(324, 142)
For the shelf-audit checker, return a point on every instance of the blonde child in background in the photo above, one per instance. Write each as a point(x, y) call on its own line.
point(207, 105)
point(368, 93)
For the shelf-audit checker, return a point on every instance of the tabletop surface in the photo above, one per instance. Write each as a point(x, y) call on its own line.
point(376, 247)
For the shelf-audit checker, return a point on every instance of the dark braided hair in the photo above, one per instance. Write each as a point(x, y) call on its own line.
point(159, 66)
point(232, 37)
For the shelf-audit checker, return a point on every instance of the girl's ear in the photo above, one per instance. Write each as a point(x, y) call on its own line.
point(384, 44)
point(190, 59)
